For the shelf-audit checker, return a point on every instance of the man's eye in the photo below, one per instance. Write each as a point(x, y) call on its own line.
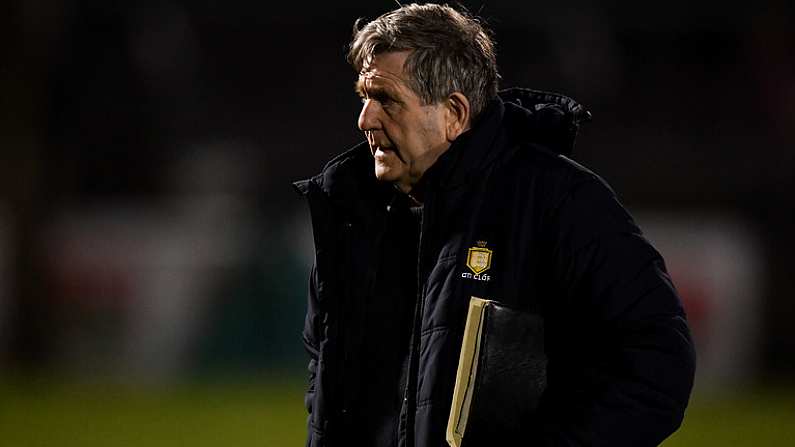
point(383, 100)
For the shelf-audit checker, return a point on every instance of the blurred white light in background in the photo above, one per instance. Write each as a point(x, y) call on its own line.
point(717, 266)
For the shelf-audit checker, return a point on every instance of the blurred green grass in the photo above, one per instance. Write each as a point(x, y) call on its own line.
point(239, 413)
point(758, 416)
point(270, 413)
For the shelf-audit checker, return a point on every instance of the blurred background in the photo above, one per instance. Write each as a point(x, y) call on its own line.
point(153, 256)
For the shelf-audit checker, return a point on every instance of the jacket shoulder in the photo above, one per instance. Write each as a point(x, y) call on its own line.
point(555, 173)
point(341, 172)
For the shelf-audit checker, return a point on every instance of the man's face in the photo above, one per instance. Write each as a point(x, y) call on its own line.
point(405, 136)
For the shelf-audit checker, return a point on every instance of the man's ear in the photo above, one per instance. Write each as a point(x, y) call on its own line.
point(458, 118)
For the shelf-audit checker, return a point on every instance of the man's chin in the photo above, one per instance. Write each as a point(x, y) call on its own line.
point(383, 175)
point(386, 173)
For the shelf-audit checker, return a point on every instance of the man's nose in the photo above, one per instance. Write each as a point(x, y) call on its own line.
point(368, 117)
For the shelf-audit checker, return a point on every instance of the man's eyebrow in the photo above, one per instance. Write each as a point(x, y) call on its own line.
point(374, 91)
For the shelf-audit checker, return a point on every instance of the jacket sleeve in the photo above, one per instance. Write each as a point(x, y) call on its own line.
point(621, 358)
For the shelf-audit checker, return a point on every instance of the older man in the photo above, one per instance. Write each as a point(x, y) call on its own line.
point(450, 166)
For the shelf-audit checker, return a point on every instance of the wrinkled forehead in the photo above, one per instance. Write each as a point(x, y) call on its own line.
point(384, 68)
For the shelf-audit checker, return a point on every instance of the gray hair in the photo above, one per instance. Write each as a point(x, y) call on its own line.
point(450, 52)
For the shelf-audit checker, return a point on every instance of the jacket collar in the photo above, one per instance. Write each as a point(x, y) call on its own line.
point(472, 151)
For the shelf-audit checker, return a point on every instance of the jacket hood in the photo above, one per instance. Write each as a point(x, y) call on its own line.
point(538, 117)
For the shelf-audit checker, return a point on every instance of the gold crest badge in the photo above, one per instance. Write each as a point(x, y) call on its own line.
point(479, 258)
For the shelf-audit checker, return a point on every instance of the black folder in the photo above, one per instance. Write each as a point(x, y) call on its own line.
point(501, 375)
